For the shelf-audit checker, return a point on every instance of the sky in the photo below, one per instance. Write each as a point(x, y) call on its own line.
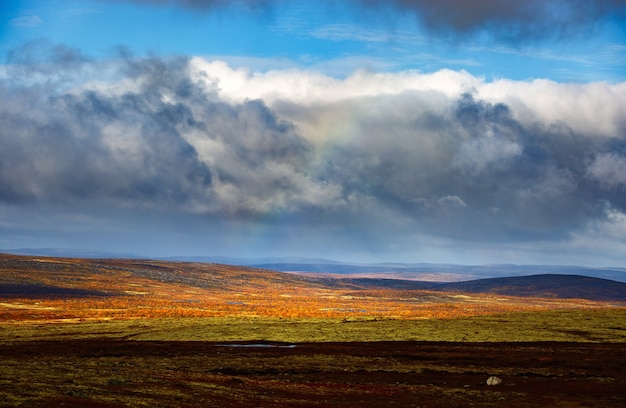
point(450, 131)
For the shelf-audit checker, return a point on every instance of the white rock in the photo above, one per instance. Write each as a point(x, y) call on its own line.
point(493, 380)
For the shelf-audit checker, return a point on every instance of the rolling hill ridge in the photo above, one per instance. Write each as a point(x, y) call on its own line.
point(545, 285)
point(36, 276)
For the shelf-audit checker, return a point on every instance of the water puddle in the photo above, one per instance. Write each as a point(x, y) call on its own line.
point(257, 345)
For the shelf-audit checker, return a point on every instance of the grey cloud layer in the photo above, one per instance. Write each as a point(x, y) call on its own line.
point(163, 143)
point(450, 166)
point(473, 171)
point(514, 19)
point(511, 20)
point(208, 5)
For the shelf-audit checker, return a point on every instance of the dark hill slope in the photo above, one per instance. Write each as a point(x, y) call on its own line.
point(554, 286)
point(24, 275)
point(68, 277)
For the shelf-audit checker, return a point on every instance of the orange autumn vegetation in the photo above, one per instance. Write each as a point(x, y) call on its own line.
point(122, 289)
point(272, 304)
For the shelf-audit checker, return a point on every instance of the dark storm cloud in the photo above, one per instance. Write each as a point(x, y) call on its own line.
point(37, 52)
point(93, 146)
point(209, 5)
point(158, 140)
point(474, 172)
point(511, 19)
point(36, 58)
point(506, 20)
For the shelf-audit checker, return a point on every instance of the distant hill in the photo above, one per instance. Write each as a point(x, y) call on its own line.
point(54, 276)
point(75, 277)
point(431, 272)
point(441, 272)
point(547, 286)
point(68, 253)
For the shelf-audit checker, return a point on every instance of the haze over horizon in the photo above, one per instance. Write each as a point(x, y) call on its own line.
point(467, 132)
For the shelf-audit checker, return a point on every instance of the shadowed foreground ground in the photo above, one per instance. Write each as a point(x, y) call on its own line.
point(116, 373)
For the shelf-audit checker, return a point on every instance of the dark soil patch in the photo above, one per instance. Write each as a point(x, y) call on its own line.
point(38, 291)
point(116, 373)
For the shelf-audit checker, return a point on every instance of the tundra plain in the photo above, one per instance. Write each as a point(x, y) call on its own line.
point(116, 333)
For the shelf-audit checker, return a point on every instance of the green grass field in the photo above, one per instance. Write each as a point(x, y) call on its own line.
point(592, 325)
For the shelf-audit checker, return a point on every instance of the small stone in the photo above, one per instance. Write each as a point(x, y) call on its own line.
point(493, 380)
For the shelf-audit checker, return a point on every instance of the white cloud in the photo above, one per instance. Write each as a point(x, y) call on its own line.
point(353, 32)
point(451, 202)
point(596, 108)
point(486, 153)
point(310, 87)
point(552, 185)
point(601, 243)
point(26, 21)
point(349, 32)
point(609, 170)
